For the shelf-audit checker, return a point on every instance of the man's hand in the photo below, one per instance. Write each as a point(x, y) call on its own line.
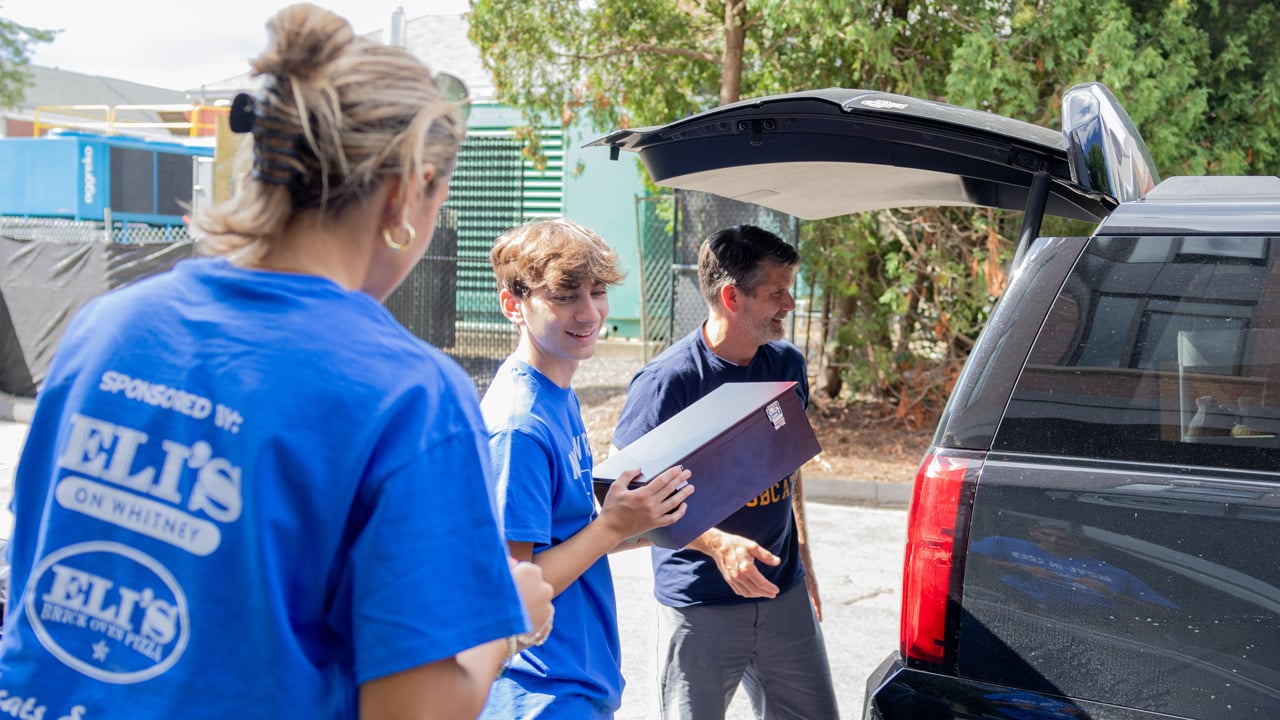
point(736, 557)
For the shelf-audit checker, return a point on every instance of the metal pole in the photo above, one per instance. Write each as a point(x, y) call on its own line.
point(644, 296)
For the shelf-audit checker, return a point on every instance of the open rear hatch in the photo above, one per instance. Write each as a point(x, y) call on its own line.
point(822, 153)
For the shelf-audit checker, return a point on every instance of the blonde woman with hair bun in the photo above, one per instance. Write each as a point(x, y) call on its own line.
point(247, 490)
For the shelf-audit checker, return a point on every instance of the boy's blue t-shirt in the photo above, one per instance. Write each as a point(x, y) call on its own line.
point(242, 494)
point(677, 378)
point(542, 460)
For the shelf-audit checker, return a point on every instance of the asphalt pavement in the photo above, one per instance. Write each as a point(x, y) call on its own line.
point(857, 552)
point(858, 531)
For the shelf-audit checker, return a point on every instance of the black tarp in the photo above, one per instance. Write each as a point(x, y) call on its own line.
point(42, 285)
point(47, 273)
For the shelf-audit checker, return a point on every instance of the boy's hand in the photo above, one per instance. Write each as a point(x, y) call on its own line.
point(657, 503)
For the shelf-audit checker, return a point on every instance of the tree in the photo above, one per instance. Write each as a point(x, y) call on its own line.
point(16, 41)
point(627, 62)
point(1201, 80)
point(619, 63)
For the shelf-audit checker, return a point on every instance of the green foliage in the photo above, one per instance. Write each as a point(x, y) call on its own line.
point(1200, 79)
point(905, 293)
point(618, 64)
point(16, 42)
point(624, 63)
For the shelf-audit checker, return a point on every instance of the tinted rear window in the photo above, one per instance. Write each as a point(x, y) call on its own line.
point(1158, 350)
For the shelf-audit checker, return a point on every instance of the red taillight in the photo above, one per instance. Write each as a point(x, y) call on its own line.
point(928, 570)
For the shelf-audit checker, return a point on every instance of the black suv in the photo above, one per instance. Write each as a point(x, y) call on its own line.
point(1091, 533)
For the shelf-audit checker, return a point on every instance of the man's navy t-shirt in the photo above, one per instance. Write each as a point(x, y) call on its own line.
point(674, 380)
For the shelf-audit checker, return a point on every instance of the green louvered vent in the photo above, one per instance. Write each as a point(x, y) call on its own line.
point(487, 192)
point(544, 190)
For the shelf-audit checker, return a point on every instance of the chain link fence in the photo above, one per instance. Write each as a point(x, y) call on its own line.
point(85, 231)
point(656, 236)
point(450, 298)
point(671, 229)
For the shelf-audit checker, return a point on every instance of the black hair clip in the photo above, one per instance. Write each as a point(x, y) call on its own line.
point(272, 144)
point(242, 113)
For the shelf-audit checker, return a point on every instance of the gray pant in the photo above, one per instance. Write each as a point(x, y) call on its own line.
point(773, 647)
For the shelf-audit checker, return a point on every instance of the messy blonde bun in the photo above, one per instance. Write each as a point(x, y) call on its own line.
point(338, 114)
point(307, 39)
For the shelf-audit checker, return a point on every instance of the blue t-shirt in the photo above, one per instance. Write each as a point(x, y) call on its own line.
point(677, 378)
point(241, 495)
point(542, 459)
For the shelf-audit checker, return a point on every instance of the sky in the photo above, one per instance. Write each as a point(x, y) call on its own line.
point(175, 44)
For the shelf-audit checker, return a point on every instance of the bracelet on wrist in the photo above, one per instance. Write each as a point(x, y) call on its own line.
point(523, 641)
point(513, 647)
point(540, 635)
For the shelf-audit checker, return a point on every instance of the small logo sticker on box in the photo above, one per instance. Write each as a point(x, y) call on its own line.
point(774, 411)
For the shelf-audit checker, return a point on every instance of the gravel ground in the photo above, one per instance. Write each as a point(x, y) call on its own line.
point(601, 384)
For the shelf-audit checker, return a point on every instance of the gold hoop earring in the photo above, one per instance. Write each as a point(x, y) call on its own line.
point(410, 236)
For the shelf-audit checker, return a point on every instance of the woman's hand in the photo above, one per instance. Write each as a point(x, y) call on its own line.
point(536, 594)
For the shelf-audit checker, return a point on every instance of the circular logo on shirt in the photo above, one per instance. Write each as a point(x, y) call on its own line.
point(108, 611)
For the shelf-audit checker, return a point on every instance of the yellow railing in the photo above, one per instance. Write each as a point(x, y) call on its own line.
point(192, 120)
point(80, 117)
